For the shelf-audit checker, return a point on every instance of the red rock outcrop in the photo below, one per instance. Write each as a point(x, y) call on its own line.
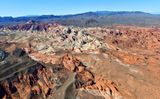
point(103, 87)
point(30, 83)
point(23, 78)
point(29, 26)
point(87, 81)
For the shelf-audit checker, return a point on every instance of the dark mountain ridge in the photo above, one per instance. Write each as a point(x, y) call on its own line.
point(99, 18)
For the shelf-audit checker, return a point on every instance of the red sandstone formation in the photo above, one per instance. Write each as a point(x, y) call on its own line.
point(128, 55)
point(30, 83)
point(85, 80)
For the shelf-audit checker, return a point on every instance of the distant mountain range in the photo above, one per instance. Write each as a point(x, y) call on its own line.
point(99, 18)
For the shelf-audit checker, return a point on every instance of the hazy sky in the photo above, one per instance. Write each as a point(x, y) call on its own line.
point(61, 7)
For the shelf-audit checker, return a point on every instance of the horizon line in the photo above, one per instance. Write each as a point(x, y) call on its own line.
point(79, 13)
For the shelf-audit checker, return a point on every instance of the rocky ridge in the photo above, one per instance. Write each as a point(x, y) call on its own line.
point(58, 38)
point(25, 78)
point(40, 80)
point(124, 56)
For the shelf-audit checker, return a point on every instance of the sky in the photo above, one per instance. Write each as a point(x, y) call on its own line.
point(17, 8)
